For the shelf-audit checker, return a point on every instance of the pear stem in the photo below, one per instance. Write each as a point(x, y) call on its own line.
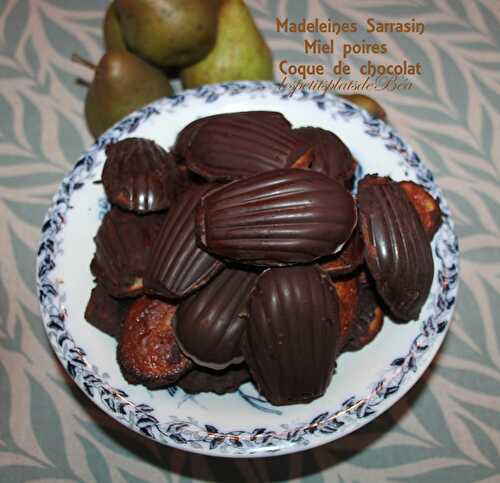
point(80, 60)
point(83, 82)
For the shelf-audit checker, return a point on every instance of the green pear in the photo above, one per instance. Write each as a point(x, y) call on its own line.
point(113, 35)
point(169, 33)
point(240, 51)
point(122, 84)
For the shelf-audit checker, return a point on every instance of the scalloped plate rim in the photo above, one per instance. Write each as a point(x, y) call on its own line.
point(261, 449)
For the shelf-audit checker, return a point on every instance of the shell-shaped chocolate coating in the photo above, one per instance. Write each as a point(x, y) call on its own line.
point(282, 217)
point(187, 134)
point(327, 153)
point(123, 245)
point(139, 175)
point(292, 337)
point(397, 250)
point(241, 144)
point(209, 323)
point(177, 266)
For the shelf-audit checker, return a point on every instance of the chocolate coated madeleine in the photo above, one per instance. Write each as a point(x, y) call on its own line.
point(427, 207)
point(105, 312)
point(147, 350)
point(177, 266)
point(240, 144)
point(139, 175)
point(201, 379)
point(397, 248)
point(281, 217)
point(123, 245)
point(346, 260)
point(293, 334)
point(209, 323)
point(326, 154)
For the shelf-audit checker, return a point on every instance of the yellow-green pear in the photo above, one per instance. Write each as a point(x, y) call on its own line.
point(123, 83)
point(240, 51)
point(113, 35)
point(169, 33)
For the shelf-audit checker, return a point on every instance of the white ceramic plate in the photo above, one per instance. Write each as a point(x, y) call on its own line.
point(241, 424)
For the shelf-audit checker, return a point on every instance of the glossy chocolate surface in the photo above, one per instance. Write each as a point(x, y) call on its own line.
point(326, 154)
point(209, 324)
point(293, 334)
point(177, 266)
point(139, 175)
point(397, 249)
point(201, 379)
point(282, 217)
point(348, 259)
point(147, 349)
point(241, 144)
point(123, 245)
point(105, 312)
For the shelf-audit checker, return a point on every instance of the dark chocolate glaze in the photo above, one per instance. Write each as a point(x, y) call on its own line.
point(201, 379)
point(277, 218)
point(187, 134)
point(123, 245)
point(209, 323)
point(293, 334)
point(139, 175)
point(147, 350)
point(106, 313)
point(240, 144)
point(177, 266)
point(397, 250)
point(327, 153)
point(348, 259)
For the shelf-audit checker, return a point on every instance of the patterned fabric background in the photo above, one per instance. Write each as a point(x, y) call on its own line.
point(446, 429)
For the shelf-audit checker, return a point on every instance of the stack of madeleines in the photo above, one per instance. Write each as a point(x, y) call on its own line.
point(242, 254)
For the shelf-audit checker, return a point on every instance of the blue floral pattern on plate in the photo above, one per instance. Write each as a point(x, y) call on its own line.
point(201, 436)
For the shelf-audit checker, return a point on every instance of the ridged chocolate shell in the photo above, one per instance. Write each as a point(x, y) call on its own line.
point(241, 144)
point(123, 245)
point(397, 249)
point(327, 154)
point(209, 323)
point(186, 135)
point(293, 334)
point(105, 312)
point(139, 175)
point(278, 218)
point(177, 266)
point(348, 259)
point(201, 379)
